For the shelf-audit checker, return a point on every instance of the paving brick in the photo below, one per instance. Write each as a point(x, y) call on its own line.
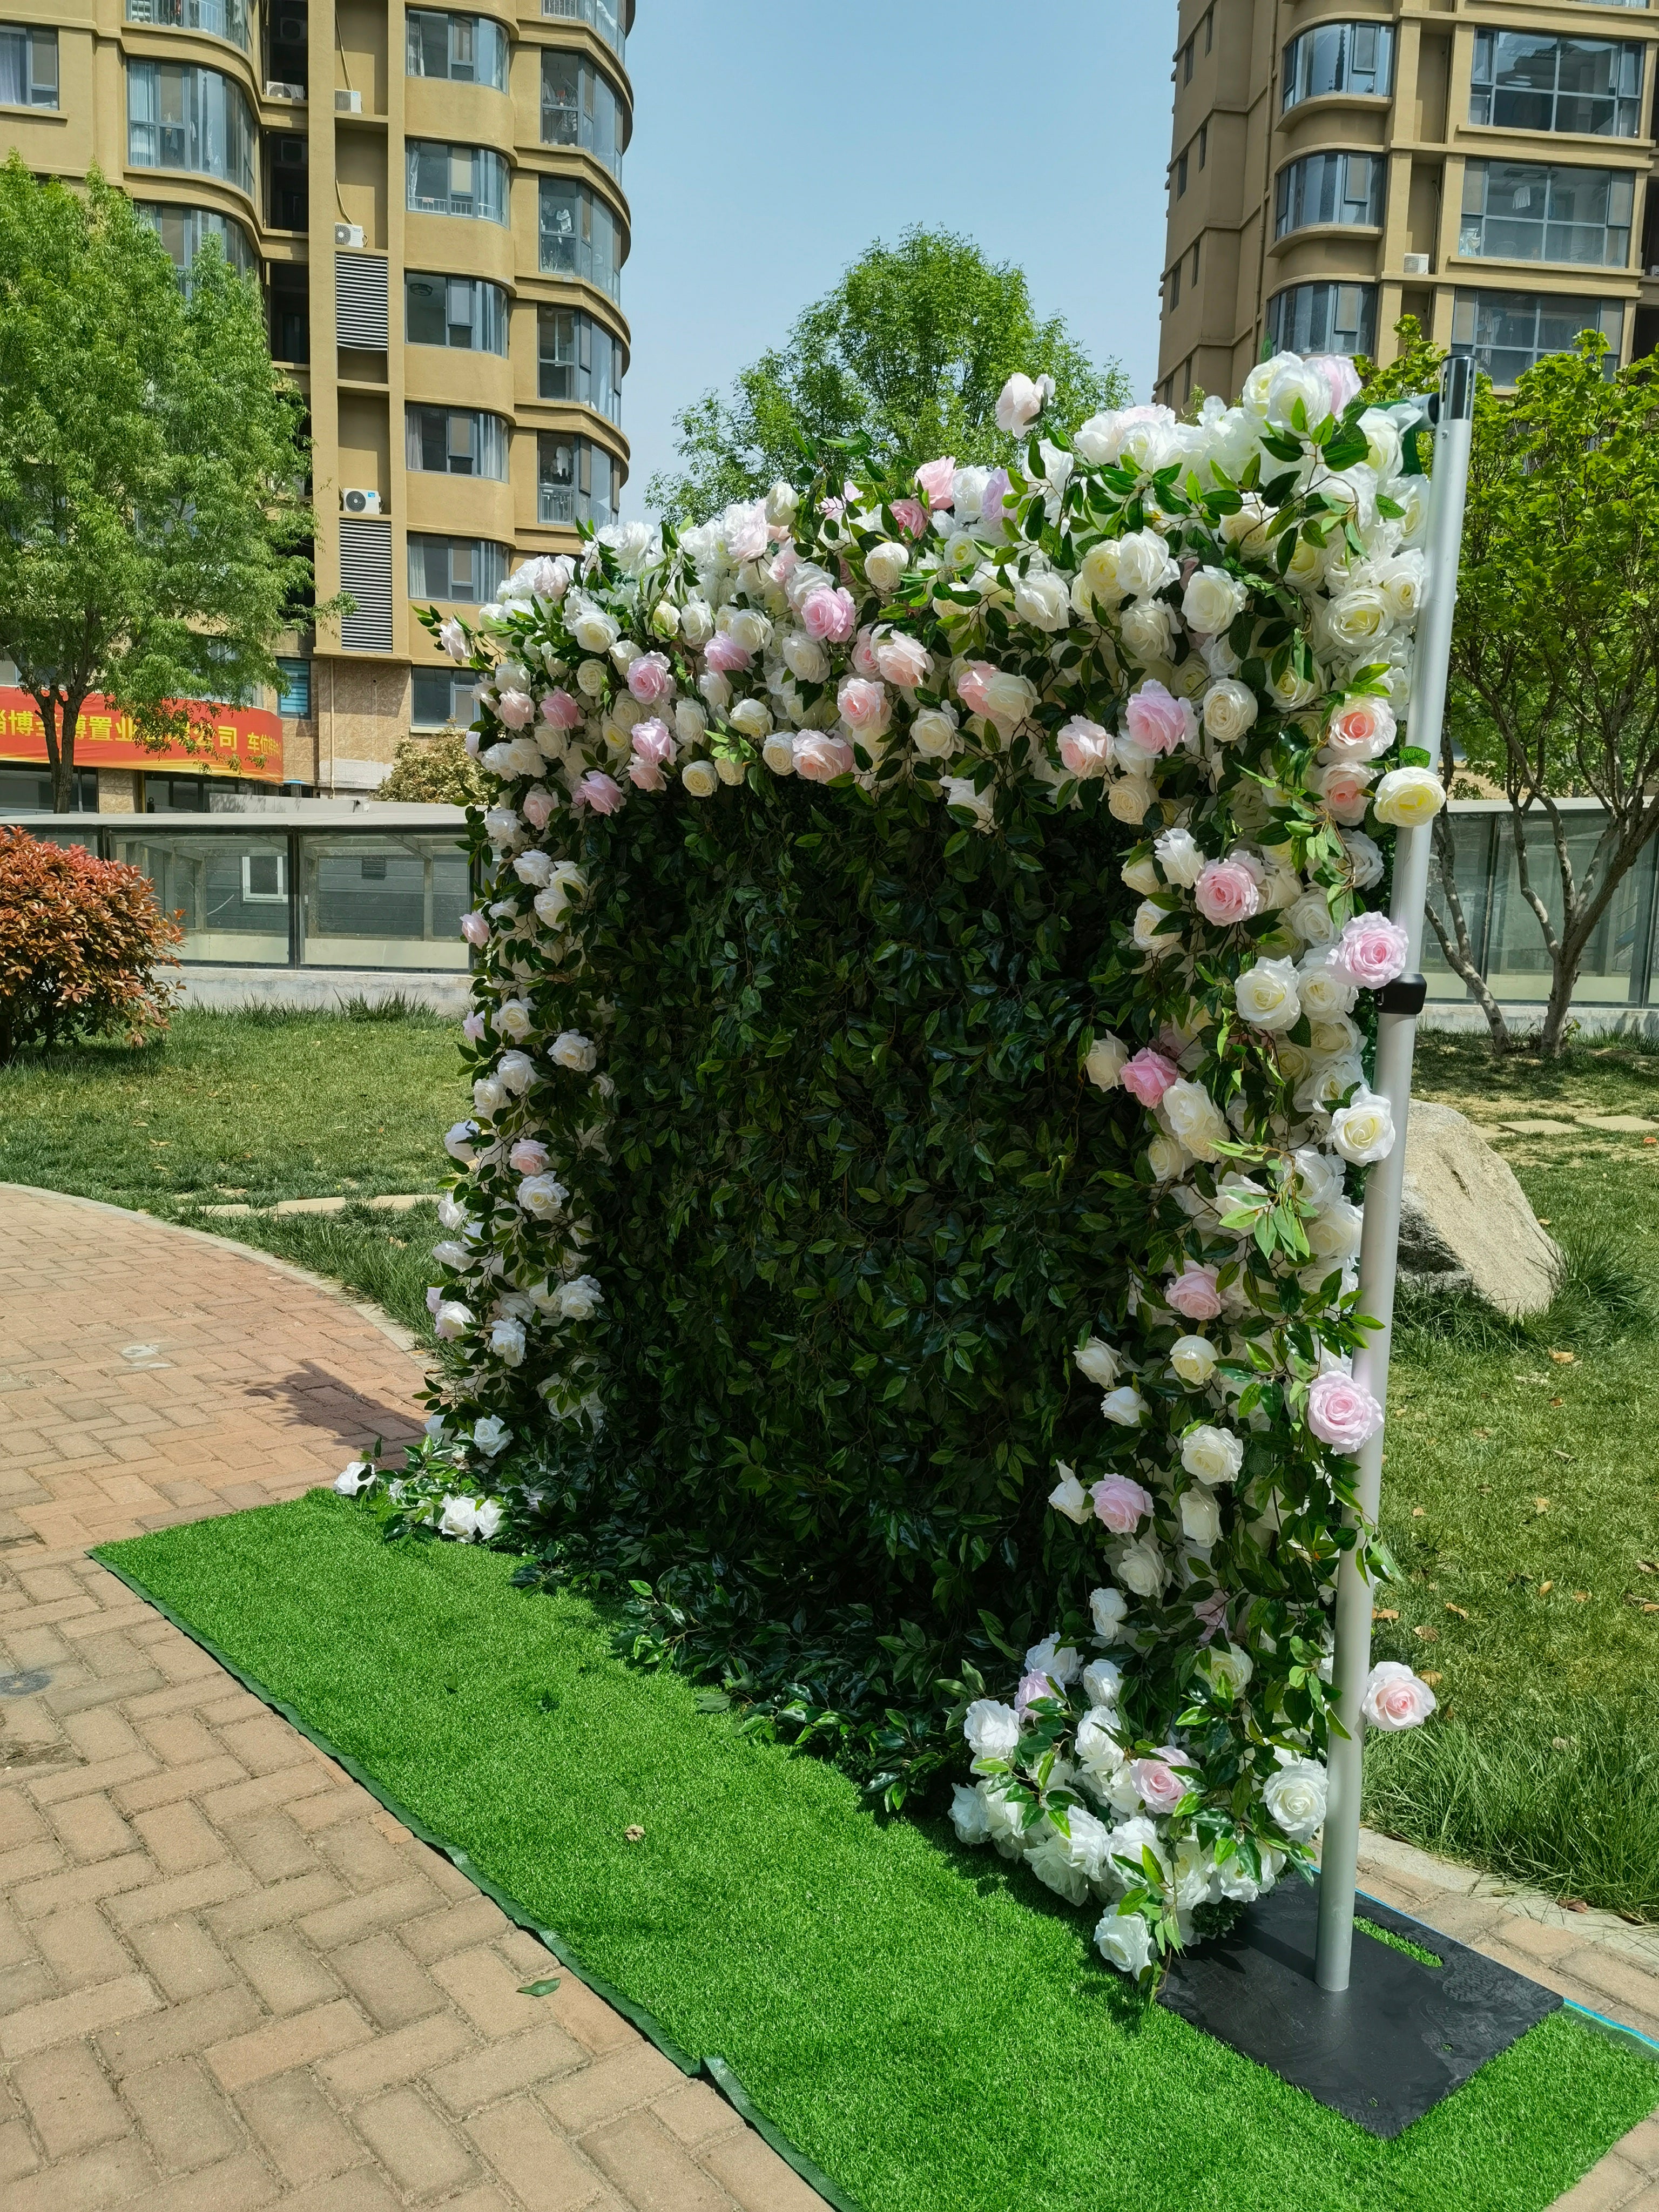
point(260, 1906)
point(103, 1734)
point(83, 2012)
point(457, 1928)
point(178, 1739)
point(503, 2067)
point(18, 1822)
point(25, 1984)
point(486, 1988)
point(1617, 1977)
point(354, 1916)
point(538, 2166)
point(300, 2040)
point(109, 2175)
point(17, 2152)
point(303, 2134)
point(584, 2099)
point(90, 1827)
point(180, 1957)
point(352, 2193)
point(422, 2153)
point(186, 2121)
point(386, 1981)
point(54, 1893)
point(1641, 2146)
point(694, 2112)
point(181, 2028)
point(97, 1774)
point(752, 2172)
point(177, 1838)
point(68, 2099)
point(390, 2059)
point(302, 1779)
point(78, 1947)
point(588, 2018)
point(270, 1847)
point(1607, 2187)
point(284, 1971)
point(233, 2185)
point(261, 1744)
point(172, 1785)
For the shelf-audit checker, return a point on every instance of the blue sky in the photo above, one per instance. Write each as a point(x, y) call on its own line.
point(774, 139)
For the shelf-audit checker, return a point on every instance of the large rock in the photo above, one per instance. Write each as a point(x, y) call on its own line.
point(1465, 1223)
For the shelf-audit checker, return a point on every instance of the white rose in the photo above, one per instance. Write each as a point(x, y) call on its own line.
point(1212, 599)
point(1364, 859)
point(1107, 1611)
point(1108, 1056)
point(716, 688)
point(885, 564)
point(1150, 935)
point(1008, 699)
point(1102, 1679)
point(451, 1318)
point(1128, 798)
point(1309, 916)
point(1069, 1496)
point(1201, 1517)
point(1323, 989)
point(1356, 619)
point(1291, 384)
point(579, 1298)
point(992, 1728)
point(491, 1435)
point(779, 755)
point(1148, 629)
point(700, 778)
point(513, 1019)
point(506, 1342)
point(1193, 1359)
point(1124, 1941)
point(1334, 1233)
point(933, 732)
point(748, 627)
point(1124, 1406)
point(1043, 601)
point(1167, 1157)
point(1144, 563)
point(1179, 856)
point(356, 1477)
point(594, 630)
point(958, 791)
point(1194, 1118)
point(804, 658)
point(1409, 797)
point(968, 1816)
point(1098, 1361)
point(1295, 1799)
point(543, 1195)
point(1363, 1131)
point(515, 1072)
point(1400, 579)
point(1141, 1568)
point(1229, 1670)
point(696, 622)
point(1212, 1454)
point(1142, 875)
point(570, 1048)
point(1266, 995)
point(591, 678)
point(752, 718)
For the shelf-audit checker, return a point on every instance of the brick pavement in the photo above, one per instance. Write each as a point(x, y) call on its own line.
point(228, 1976)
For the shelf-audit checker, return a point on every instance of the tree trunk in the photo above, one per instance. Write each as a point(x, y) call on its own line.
point(60, 717)
point(1456, 945)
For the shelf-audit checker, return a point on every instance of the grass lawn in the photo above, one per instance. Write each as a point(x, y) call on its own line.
point(933, 2031)
point(251, 1107)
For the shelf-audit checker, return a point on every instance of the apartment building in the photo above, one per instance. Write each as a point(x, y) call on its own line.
point(431, 202)
point(1482, 165)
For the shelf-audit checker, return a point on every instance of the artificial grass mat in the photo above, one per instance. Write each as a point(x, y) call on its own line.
point(928, 2026)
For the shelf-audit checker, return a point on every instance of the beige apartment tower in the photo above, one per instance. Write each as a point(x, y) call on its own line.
point(1480, 164)
point(430, 199)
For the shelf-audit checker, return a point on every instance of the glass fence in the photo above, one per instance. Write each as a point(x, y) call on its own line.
point(275, 897)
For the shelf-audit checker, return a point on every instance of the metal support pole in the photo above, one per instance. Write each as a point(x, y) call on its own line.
point(1396, 1040)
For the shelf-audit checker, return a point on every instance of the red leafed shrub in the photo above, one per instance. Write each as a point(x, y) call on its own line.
point(79, 942)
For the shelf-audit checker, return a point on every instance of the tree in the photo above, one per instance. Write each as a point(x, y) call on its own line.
point(435, 771)
point(1554, 684)
point(911, 348)
point(151, 467)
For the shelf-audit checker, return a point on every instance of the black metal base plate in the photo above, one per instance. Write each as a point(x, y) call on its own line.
point(1398, 2039)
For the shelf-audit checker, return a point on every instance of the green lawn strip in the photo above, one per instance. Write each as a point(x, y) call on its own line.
point(383, 1257)
point(933, 2031)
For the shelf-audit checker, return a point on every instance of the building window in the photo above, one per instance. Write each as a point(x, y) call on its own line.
point(1506, 332)
point(467, 311)
point(1348, 58)
point(288, 181)
point(1530, 80)
point(293, 686)
point(581, 237)
point(1172, 286)
point(467, 570)
point(220, 18)
point(440, 697)
point(579, 108)
point(1203, 142)
point(185, 230)
point(1345, 188)
point(605, 16)
point(180, 117)
point(456, 441)
point(576, 481)
point(1209, 28)
point(467, 180)
point(1187, 62)
point(1181, 176)
point(1532, 211)
point(1323, 318)
point(28, 67)
point(1191, 274)
point(578, 359)
point(464, 49)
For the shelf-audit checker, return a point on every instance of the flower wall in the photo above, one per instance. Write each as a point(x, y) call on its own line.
point(921, 1118)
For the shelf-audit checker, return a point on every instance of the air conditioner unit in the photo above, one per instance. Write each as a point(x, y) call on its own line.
point(294, 94)
point(360, 503)
point(291, 31)
point(1415, 265)
point(348, 234)
point(348, 103)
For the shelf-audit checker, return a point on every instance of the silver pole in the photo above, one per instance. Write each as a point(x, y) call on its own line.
point(1395, 1038)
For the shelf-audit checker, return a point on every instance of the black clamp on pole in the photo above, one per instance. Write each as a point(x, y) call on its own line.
point(1405, 996)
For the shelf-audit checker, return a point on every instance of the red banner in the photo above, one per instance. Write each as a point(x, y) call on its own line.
point(239, 741)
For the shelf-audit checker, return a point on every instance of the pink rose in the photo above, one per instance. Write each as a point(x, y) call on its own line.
point(1085, 747)
point(910, 516)
point(834, 508)
point(646, 776)
point(539, 806)
point(991, 502)
point(476, 929)
point(1363, 729)
point(864, 706)
point(1338, 376)
point(1393, 1697)
point(1212, 1612)
point(1148, 1076)
point(723, 652)
point(970, 685)
point(821, 757)
point(472, 1029)
point(1159, 721)
point(829, 615)
point(1161, 1788)
point(650, 678)
point(515, 710)
point(528, 1156)
point(1345, 790)
point(1226, 893)
point(785, 562)
point(937, 481)
point(1120, 1504)
point(903, 660)
point(653, 741)
point(864, 652)
point(1192, 1293)
point(1370, 951)
point(1341, 1414)
point(597, 791)
point(745, 532)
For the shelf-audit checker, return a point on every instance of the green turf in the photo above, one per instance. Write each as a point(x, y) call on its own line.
point(932, 2030)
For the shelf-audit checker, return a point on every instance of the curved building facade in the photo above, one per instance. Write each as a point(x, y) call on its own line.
point(432, 201)
point(1483, 164)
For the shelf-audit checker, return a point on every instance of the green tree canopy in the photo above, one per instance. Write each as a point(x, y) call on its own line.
point(910, 349)
point(152, 468)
